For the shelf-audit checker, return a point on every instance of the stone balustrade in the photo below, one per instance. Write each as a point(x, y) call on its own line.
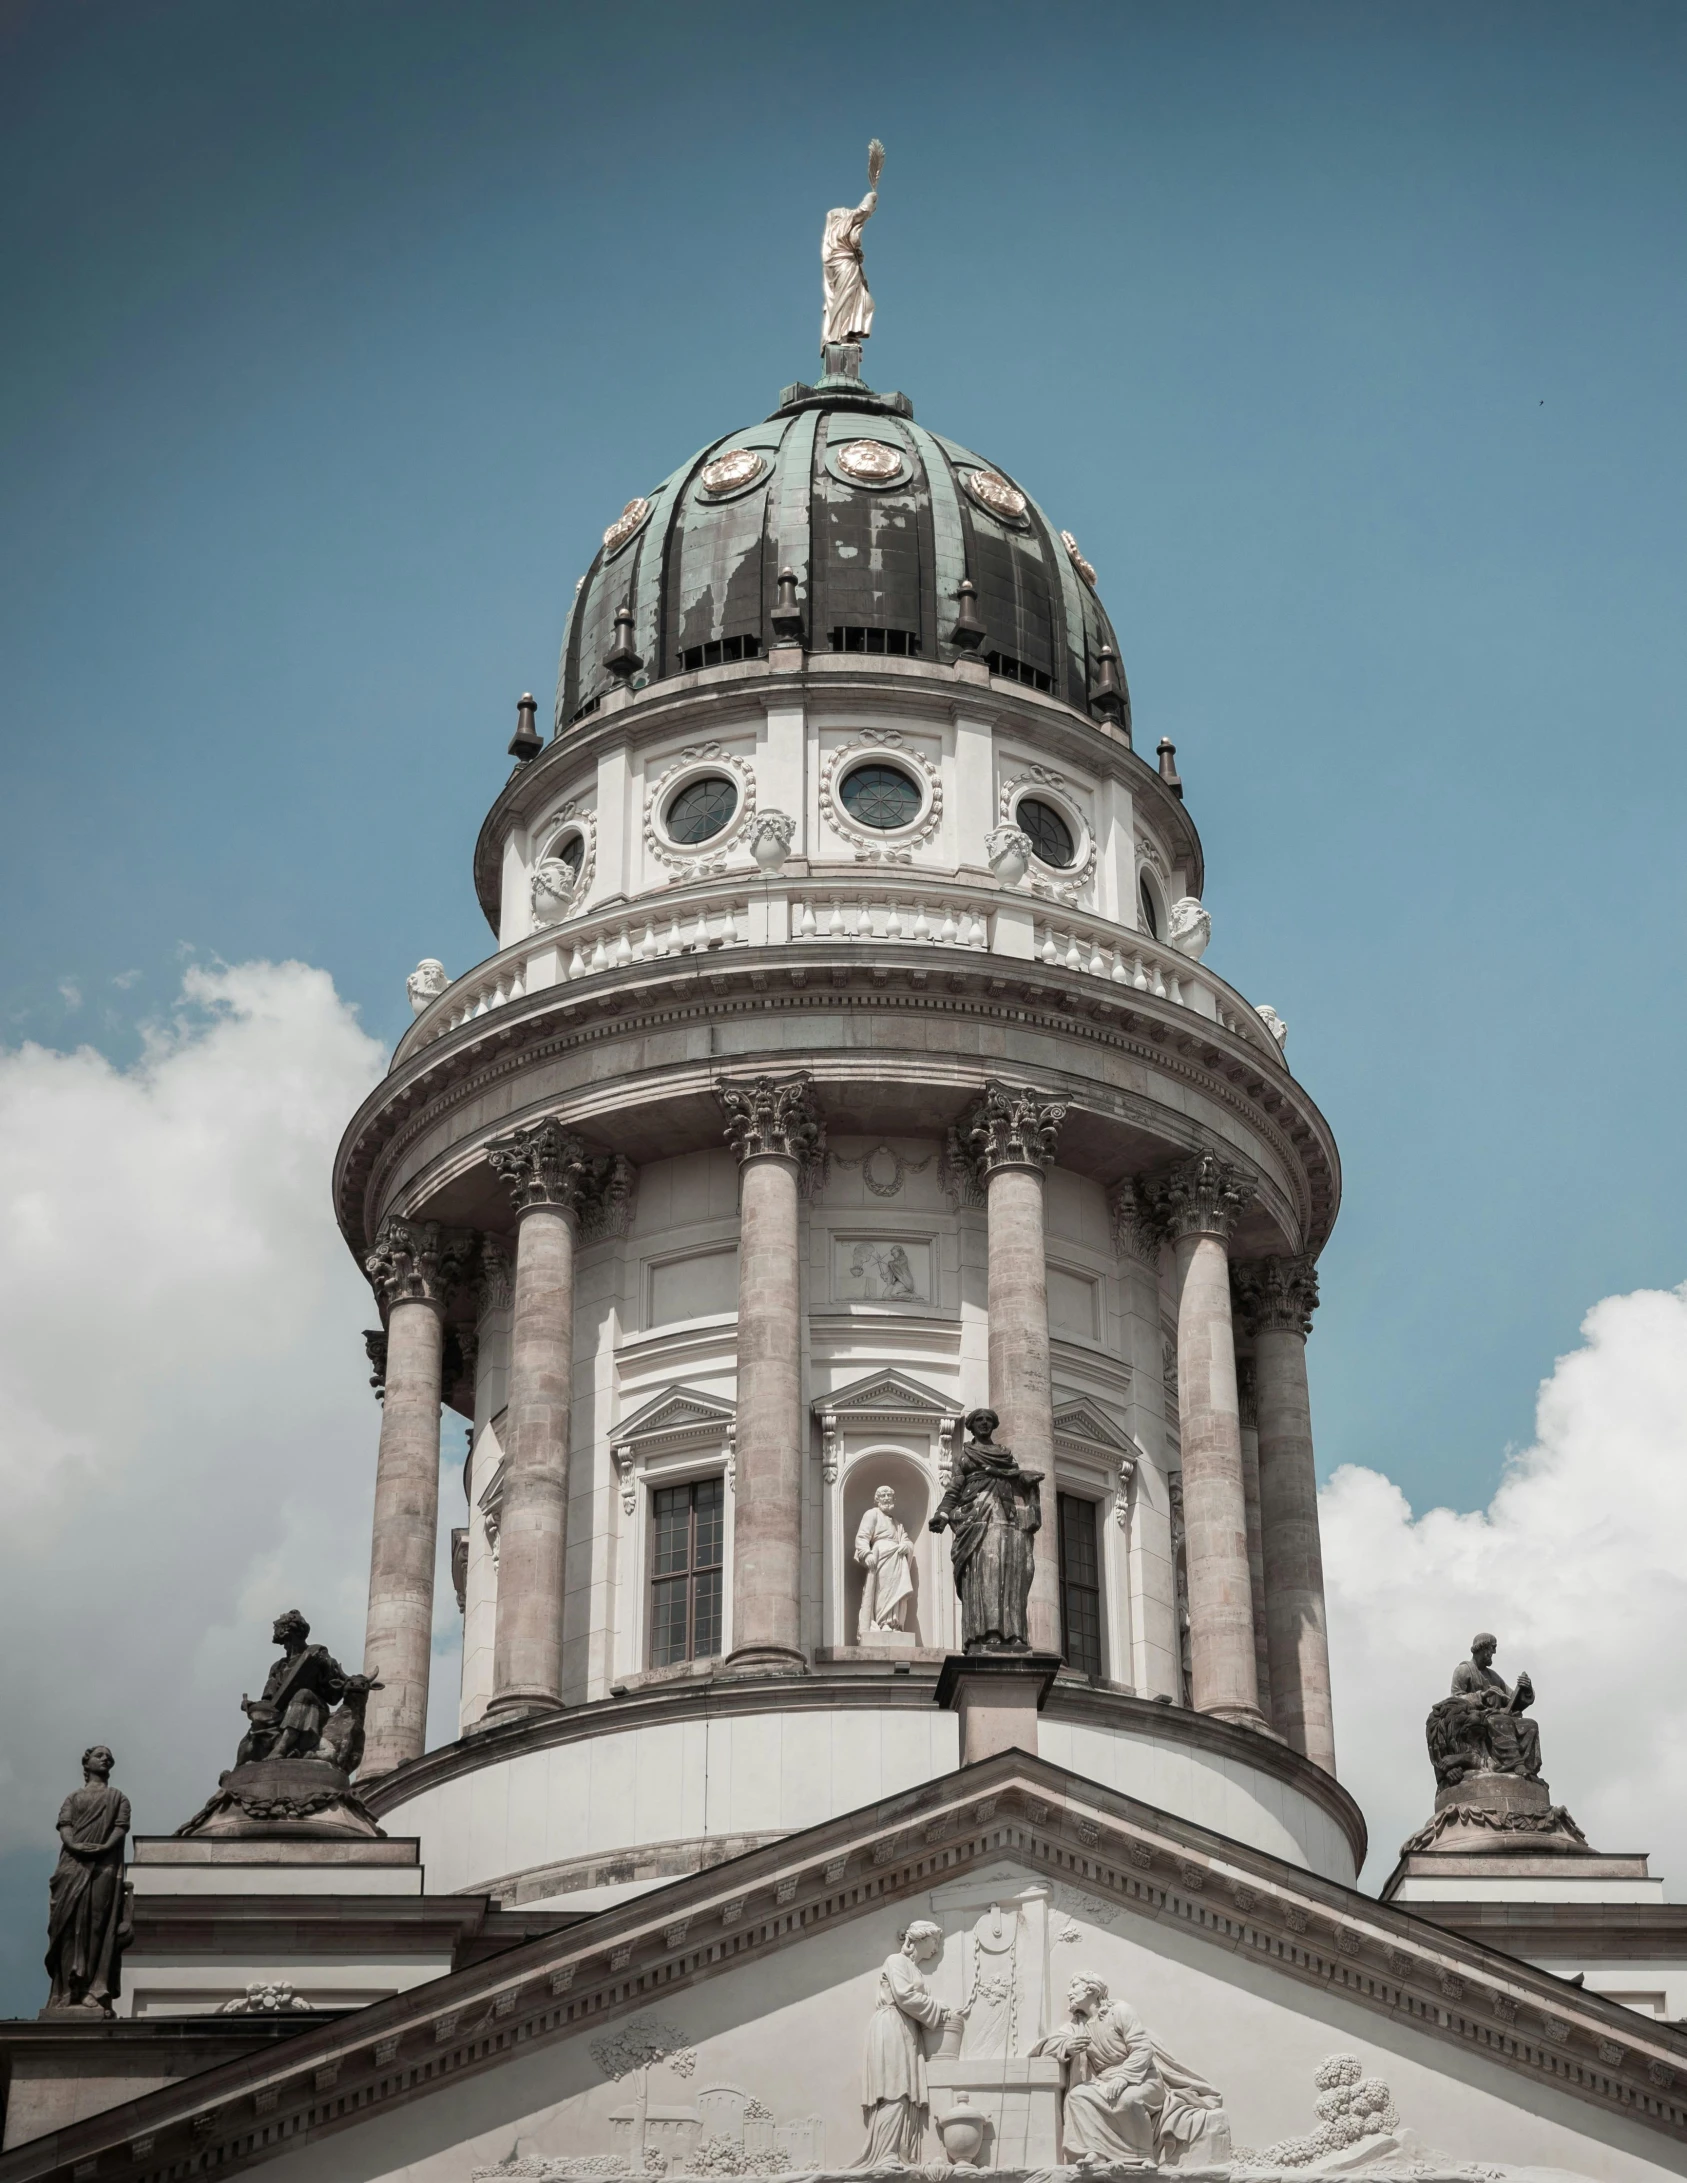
point(912, 910)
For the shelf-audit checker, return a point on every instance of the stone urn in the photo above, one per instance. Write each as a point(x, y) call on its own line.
point(962, 2131)
point(770, 841)
point(553, 889)
point(1008, 849)
point(1189, 928)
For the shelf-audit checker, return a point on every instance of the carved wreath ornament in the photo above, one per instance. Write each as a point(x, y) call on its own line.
point(631, 520)
point(1068, 885)
point(708, 859)
point(871, 846)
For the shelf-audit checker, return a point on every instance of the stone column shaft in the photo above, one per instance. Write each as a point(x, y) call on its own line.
point(413, 1266)
point(1200, 1203)
point(548, 1171)
point(1246, 1386)
point(774, 1127)
point(1009, 1137)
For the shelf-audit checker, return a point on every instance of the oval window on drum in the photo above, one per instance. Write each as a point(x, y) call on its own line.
point(702, 808)
point(1051, 837)
point(881, 796)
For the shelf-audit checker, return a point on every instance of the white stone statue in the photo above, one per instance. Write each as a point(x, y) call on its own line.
point(1127, 2100)
point(847, 308)
point(893, 2068)
point(1272, 1021)
point(1008, 851)
point(770, 840)
point(1189, 927)
point(426, 983)
point(886, 1552)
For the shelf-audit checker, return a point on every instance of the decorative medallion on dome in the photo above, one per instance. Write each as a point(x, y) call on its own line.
point(625, 524)
point(869, 460)
point(729, 473)
point(992, 491)
point(1084, 568)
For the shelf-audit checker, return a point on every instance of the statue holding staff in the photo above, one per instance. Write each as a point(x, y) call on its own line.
point(847, 307)
point(993, 1510)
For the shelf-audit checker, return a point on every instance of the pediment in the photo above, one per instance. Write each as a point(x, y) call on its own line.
point(1080, 1418)
point(884, 1397)
point(736, 2003)
point(676, 1414)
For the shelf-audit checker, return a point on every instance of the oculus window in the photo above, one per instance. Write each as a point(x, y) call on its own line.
point(569, 849)
point(881, 796)
point(702, 808)
point(689, 1524)
point(1051, 837)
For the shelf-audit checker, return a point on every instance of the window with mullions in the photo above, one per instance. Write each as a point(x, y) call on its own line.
point(685, 1572)
point(1080, 1584)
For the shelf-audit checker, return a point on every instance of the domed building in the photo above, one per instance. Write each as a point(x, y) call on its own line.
point(871, 1249)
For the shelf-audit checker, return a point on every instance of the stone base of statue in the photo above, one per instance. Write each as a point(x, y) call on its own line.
point(308, 1797)
point(998, 1696)
point(904, 1641)
point(1484, 1812)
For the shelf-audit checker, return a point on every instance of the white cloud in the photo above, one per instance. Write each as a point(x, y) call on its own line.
point(187, 1436)
point(70, 993)
point(1579, 1567)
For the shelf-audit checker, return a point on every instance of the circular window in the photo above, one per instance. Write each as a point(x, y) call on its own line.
point(569, 849)
point(702, 808)
point(881, 796)
point(1051, 837)
point(1150, 916)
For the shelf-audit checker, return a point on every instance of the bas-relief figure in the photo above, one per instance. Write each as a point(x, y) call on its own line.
point(847, 307)
point(886, 1274)
point(1481, 1728)
point(1128, 2100)
point(88, 1914)
point(993, 1510)
point(893, 2069)
point(885, 1551)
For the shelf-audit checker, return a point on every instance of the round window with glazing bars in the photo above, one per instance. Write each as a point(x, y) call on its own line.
point(1051, 837)
point(701, 809)
point(881, 796)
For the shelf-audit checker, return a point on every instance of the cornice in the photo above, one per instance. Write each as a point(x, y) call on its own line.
point(462, 1064)
point(1325, 1938)
point(695, 705)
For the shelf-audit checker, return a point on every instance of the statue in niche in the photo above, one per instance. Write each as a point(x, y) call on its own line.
point(893, 2069)
point(1127, 2100)
point(993, 1510)
point(88, 1904)
point(287, 1721)
point(1482, 1728)
point(886, 1553)
point(847, 311)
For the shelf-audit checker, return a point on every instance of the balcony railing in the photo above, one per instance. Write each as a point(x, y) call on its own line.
point(912, 911)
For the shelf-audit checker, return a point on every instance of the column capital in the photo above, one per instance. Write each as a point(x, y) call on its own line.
point(1275, 1295)
point(1008, 1125)
point(774, 1118)
point(543, 1165)
point(419, 1262)
point(1202, 1196)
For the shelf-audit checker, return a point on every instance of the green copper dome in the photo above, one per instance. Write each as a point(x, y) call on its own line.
point(879, 519)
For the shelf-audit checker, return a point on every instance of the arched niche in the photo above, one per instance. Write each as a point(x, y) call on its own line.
point(909, 1480)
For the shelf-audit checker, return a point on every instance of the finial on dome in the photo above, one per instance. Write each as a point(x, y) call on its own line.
point(787, 614)
point(1107, 692)
point(1168, 766)
point(622, 659)
point(968, 632)
point(525, 742)
point(846, 314)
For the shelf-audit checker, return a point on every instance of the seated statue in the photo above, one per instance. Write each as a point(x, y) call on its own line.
point(1481, 1728)
point(1128, 2102)
point(299, 1690)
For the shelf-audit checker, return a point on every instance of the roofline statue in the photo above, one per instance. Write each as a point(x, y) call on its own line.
point(847, 305)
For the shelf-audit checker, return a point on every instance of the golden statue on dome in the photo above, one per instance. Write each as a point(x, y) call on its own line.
point(847, 313)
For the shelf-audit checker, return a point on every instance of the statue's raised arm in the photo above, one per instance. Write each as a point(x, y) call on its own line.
point(847, 306)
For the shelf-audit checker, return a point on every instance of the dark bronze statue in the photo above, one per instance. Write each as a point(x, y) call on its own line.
point(993, 1511)
point(88, 1904)
point(298, 1692)
point(1481, 1728)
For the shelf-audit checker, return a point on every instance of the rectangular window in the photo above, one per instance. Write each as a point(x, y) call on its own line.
point(689, 1526)
point(1080, 1584)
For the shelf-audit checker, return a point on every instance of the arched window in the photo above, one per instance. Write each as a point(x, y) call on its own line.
point(1150, 914)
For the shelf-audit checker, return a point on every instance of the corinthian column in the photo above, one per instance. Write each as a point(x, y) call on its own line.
point(1279, 1296)
point(774, 1127)
point(1009, 1137)
point(548, 1171)
point(1199, 1204)
point(414, 1266)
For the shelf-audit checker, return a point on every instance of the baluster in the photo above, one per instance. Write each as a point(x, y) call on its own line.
point(700, 938)
point(735, 933)
point(947, 934)
point(647, 947)
point(1074, 953)
point(893, 923)
point(1174, 989)
point(1121, 976)
point(674, 944)
point(1048, 951)
point(1158, 988)
point(835, 923)
point(1097, 961)
point(806, 926)
point(922, 924)
point(576, 961)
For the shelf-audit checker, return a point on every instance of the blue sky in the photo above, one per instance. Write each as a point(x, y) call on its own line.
point(1349, 341)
